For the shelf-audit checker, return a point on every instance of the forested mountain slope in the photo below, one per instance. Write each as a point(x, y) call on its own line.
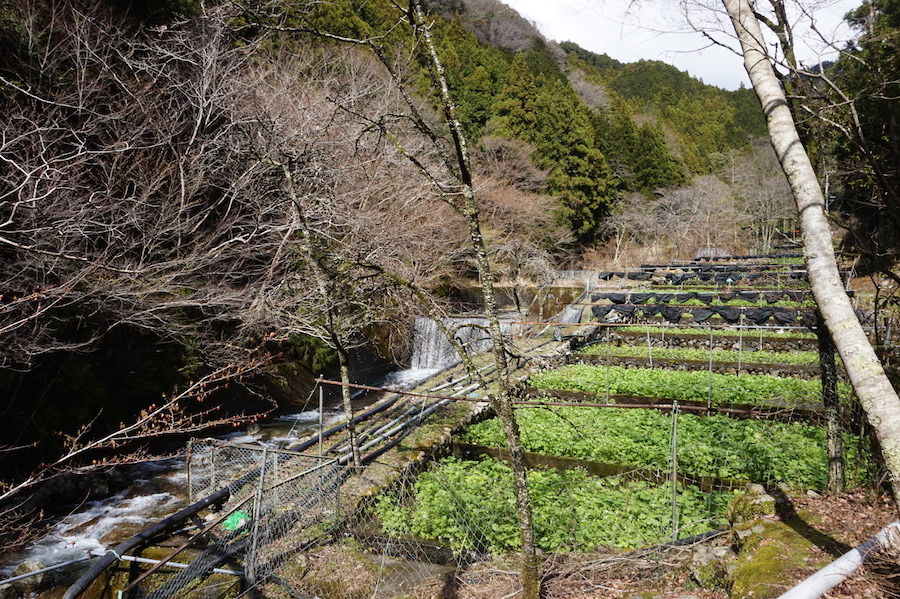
point(706, 120)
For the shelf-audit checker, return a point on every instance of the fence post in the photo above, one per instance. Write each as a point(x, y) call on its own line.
point(212, 467)
point(321, 431)
point(675, 471)
point(608, 358)
point(709, 375)
point(250, 566)
point(190, 487)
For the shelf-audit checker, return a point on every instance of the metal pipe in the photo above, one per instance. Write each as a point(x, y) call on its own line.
point(42, 570)
point(81, 585)
point(834, 573)
point(147, 560)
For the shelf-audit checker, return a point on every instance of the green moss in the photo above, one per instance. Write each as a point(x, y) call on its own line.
point(340, 570)
point(749, 507)
point(773, 556)
point(712, 576)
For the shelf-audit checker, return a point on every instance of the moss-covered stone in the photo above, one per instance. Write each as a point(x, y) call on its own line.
point(773, 555)
point(750, 506)
point(710, 566)
point(334, 571)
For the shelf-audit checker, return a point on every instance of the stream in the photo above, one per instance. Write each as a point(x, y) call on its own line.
point(158, 488)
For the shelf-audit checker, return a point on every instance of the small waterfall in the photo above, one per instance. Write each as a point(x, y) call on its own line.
point(432, 350)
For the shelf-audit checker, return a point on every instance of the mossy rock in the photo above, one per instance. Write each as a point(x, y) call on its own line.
point(750, 506)
point(711, 565)
point(773, 556)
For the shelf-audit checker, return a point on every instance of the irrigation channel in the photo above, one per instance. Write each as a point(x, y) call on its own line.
point(640, 425)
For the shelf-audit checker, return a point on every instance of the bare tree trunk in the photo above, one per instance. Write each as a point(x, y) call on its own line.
point(321, 281)
point(872, 387)
point(502, 400)
point(348, 406)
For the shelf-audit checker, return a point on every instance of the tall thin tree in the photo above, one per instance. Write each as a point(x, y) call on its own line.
point(872, 386)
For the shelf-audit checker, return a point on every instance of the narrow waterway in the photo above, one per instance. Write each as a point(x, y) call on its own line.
point(158, 488)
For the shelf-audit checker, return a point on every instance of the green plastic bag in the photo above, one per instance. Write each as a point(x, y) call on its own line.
point(236, 521)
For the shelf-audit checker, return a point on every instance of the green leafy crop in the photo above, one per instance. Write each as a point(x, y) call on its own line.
point(716, 446)
point(797, 358)
point(684, 385)
point(470, 506)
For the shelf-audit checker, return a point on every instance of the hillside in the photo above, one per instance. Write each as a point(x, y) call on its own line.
point(705, 119)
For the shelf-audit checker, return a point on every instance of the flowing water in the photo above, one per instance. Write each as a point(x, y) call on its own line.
point(432, 351)
point(158, 488)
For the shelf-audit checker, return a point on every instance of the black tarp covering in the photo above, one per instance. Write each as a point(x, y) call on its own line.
point(641, 298)
point(728, 278)
point(810, 320)
point(706, 298)
point(601, 311)
point(702, 314)
point(785, 317)
point(748, 296)
point(758, 315)
point(625, 310)
point(650, 310)
point(730, 314)
point(684, 297)
point(664, 298)
point(670, 313)
point(640, 276)
point(617, 298)
point(772, 296)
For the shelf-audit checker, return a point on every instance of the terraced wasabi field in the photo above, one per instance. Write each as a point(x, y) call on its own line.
point(673, 470)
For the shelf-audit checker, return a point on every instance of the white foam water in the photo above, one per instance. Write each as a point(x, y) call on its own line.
point(406, 379)
point(308, 416)
point(89, 530)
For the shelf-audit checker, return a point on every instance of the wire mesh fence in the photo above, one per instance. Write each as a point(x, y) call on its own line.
point(280, 502)
point(454, 525)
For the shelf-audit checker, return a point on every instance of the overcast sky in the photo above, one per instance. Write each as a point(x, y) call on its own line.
point(658, 30)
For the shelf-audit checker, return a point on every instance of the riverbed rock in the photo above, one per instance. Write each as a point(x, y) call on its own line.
point(28, 566)
point(56, 592)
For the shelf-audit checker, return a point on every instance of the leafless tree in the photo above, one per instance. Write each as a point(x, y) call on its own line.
point(702, 214)
point(438, 149)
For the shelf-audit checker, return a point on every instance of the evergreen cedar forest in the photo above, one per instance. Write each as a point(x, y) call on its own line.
point(173, 178)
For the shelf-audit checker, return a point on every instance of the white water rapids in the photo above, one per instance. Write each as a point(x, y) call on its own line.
point(158, 489)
